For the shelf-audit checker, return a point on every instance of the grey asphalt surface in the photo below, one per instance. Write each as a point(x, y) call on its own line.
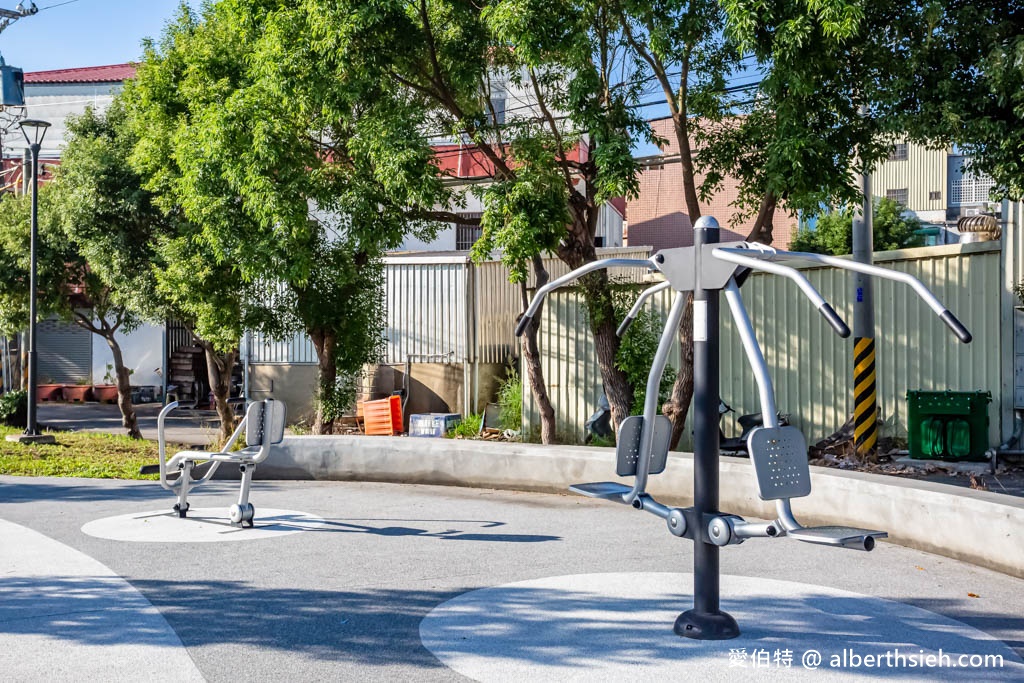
point(189, 427)
point(346, 603)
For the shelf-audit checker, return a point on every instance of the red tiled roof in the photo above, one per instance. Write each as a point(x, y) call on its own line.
point(91, 74)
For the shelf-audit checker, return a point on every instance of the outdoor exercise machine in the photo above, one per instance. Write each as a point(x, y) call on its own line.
point(263, 426)
point(778, 453)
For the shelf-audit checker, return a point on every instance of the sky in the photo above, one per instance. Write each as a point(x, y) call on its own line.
point(82, 32)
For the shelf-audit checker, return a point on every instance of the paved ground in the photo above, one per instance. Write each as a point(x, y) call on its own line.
point(347, 598)
point(189, 427)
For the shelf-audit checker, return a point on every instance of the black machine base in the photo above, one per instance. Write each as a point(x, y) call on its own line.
point(706, 625)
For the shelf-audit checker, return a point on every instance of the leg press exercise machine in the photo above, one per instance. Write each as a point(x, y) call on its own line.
point(778, 453)
point(263, 427)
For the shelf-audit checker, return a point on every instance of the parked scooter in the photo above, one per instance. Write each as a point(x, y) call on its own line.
point(600, 423)
point(738, 444)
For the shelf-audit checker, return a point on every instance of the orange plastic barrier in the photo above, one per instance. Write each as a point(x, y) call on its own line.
point(382, 417)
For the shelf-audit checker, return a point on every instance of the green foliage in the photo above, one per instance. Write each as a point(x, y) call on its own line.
point(60, 269)
point(1018, 290)
point(961, 81)
point(468, 428)
point(834, 231)
point(337, 399)
point(14, 409)
point(636, 354)
point(294, 173)
point(510, 403)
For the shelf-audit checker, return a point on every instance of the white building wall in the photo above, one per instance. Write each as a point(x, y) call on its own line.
point(142, 350)
point(54, 102)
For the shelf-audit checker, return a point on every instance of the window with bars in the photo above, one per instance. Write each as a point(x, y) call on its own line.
point(899, 152)
point(970, 189)
point(466, 234)
point(900, 196)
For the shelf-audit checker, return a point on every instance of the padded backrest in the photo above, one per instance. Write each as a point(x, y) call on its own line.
point(254, 423)
point(275, 417)
point(265, 418)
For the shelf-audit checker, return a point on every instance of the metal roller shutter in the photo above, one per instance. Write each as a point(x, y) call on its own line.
point(64, 352)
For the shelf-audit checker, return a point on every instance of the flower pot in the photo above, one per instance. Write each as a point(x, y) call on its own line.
point(77, 393)
point(49, 392)
point(105, 393)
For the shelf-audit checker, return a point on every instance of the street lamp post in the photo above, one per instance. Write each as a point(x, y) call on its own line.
point(34, 132)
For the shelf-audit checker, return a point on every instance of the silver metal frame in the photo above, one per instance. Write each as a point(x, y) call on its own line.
point(246, 458)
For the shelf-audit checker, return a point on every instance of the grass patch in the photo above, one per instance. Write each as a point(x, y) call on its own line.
point(79, 454)
point(468, 428)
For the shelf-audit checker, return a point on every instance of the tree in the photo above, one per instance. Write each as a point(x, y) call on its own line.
point(68, 284)
point(550, 169)
point(100, 206)
point(962, 82)
point(833, 233)
point(275, 164)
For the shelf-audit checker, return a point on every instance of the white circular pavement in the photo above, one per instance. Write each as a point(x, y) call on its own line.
point(66, 617)
point(615, 627)
point(203, 525)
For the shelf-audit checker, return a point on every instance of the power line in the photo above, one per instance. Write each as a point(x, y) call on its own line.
point(59, 4)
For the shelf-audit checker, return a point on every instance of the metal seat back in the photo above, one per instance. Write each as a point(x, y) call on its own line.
point(264, 422)
point(780, 462)
point(627, 448)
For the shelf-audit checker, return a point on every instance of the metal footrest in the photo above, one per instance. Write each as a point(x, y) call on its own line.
point(842, 536)
point(627, 447)
point(609, 490)
point(780, 462)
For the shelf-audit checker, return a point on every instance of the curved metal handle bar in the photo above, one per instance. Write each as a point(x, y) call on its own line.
point(755, 356)
point(740, 258)
point(162, 442)
point(668, 337)
point(961, 332)
point(574, 275)
point(635, 310)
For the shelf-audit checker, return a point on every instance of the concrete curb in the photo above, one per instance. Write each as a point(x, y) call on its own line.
point(983, 528)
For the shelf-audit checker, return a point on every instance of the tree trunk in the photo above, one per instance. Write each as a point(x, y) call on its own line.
point(576, 251)
point(598, 296)
point(324, 343)
point(531, 354)
point(678, 405)
point(218, 367)
point(124, 389)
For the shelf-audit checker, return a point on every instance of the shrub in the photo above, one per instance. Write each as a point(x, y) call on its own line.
point(14, 409)
point(510, 403)
point(469, 428)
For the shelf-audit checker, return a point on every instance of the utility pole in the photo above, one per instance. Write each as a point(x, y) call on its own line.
point(865, 395)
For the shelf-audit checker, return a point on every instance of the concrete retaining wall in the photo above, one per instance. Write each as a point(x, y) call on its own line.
point(979, 527)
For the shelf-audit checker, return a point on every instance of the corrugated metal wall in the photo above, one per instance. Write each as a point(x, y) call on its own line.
point(431, 304)
point(923, 172)
point(811, 366)
point(427, 310)
point(298, 350)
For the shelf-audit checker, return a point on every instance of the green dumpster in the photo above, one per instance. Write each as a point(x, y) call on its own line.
point(948, 425)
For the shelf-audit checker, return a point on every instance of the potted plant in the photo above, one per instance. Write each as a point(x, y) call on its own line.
point(107, 393)
point(48, 391)
point(80, 392)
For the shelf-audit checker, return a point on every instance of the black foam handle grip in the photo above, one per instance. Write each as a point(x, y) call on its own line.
point(521, 325)
point(149, 469)
point(624, 326)
point(837, 323)
point(958, 328)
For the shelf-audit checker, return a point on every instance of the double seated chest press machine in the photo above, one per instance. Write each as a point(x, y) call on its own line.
point(263, 427)
point(778, 453)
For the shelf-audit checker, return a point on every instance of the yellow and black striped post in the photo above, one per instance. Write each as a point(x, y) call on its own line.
point(865, 401)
